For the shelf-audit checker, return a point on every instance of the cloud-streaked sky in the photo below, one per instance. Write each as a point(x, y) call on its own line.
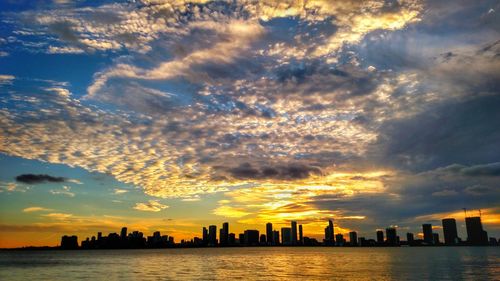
point(171, 115)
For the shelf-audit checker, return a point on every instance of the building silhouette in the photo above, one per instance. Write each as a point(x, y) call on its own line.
point(301, 235)
point(69, 242)
point(294, 232)
point(392, 237)
point(262, 240)
point(224, 234)
point(353, 238)
point(286, 236)
point(475, 234)
point(136, 240)
point(410, 239)
point(212, 235)
point(276, 237)
point(269, 233)
point(231, 240)
point(339, 239)
point(251, 237)
point(380, 237)
point(205, 236)
point(435, 239)
point(427, 230)
point(329, 234)
point(450, 231)
point(123, 233)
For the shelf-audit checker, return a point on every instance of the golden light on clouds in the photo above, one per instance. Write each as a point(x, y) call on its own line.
point(281, 203)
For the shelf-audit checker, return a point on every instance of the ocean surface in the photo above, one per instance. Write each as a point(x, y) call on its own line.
point(277, 263)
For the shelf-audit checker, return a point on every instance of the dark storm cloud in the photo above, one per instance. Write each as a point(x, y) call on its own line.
point(445, 134)
point(489, 170)
point(40, 178)
point(283, 172)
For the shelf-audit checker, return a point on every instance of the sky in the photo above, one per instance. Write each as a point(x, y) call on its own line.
point(173, 115)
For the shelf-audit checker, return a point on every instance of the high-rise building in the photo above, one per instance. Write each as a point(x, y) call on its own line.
point(205, 236)
point(410, 238)
point(339, 239)
point(427, 230)
point(241, 238)
point(301, 235)
point(435, 238)
point(212, 235)
point(269, 233)
point(450, 231)
point(123, 233)
point(286, 236)
point(380, 237)
point(329, 234)
point(294, 232)
point(231, 240)
point(224, 234)
point(251, 237)
point(353, 238)
point(392, 237)
point(276, 237)
point(475, 233)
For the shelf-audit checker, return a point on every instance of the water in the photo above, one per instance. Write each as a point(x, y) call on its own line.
point(281, 263)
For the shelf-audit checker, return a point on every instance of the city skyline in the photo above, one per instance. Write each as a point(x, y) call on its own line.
point(476, 236)
point(168, 115)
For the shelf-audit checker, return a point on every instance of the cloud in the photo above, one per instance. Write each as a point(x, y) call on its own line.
point(37, 179)
point(374, 111)
point(445, 193)
point(230, 212)
point(6, 79)
point(283, 172)
point(64, 50)
point(58, 216)
point(150, 206)
point(120, 191)
point(66, 190)
point(36, 209)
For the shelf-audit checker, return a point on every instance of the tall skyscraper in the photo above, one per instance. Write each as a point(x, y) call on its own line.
point(212, 235)
point(329, 234)
point(224, 234)
point(392, 237)
point(231, 240)
point(410, 238)
point(205, 236)
point(294, 232)
point(276, 237)
point(301, 235)
point(475, 233)
point(286, 236)
point(353, 238)
point(380, 237)
point(427, 230)
point(450, 231)
point(123, 233)
point(269, 233)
